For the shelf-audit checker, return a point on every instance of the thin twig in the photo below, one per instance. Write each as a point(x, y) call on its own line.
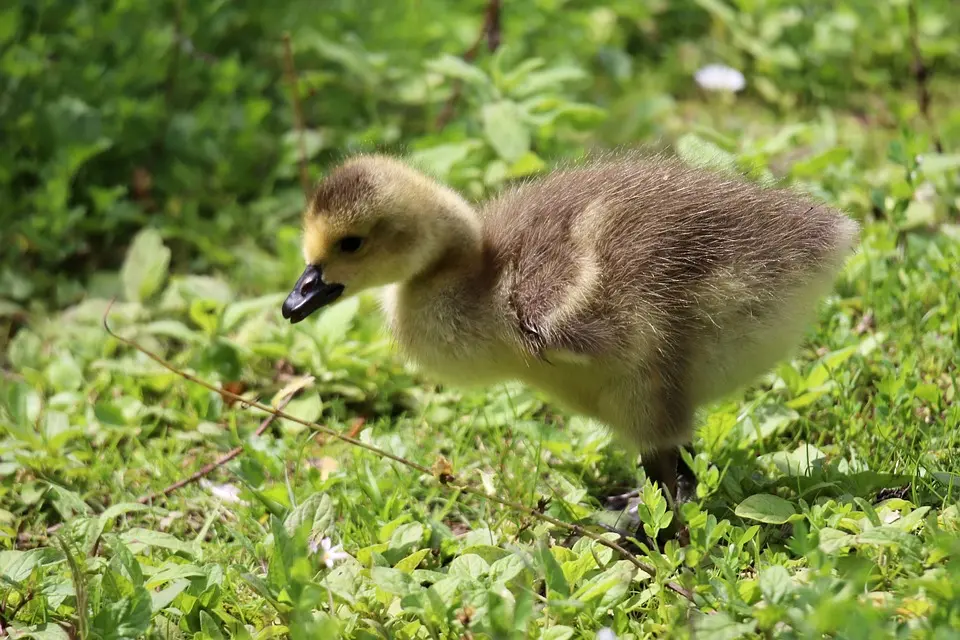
point(446, 479)
point(205, 471)
point(290, 71)
point(489, 31)
point(219, 462)
point(921, 73)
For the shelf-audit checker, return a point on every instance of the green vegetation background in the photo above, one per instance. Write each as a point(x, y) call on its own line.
point(148, 151)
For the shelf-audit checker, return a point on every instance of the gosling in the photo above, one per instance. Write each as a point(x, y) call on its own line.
point(631, 289)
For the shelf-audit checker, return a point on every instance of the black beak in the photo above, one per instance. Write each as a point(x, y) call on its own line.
point(309, 294)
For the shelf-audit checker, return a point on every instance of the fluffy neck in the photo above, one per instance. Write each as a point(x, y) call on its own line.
point(459, 258)
point(454, 247)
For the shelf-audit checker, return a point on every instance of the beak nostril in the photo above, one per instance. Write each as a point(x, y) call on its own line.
point(309, 294)
point(309, 283)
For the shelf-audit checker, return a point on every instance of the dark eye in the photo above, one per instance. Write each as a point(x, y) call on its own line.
point(351, 244)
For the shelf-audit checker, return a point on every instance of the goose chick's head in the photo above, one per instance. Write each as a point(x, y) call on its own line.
point(370, 223)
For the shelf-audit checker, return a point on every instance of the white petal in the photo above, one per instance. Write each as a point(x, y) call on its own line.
point(606, 634)
point(718, 77)
point(226, 492)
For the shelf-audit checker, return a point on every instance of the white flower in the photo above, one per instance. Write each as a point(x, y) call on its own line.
point(718, 77)
point(926, 192)
point(606, 634)
point(226, 492)
point(329, 555)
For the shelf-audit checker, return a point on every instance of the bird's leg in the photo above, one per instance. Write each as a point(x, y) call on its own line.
point(676, 481)
point(663, 412)
point(686, 480)
point(672, 416)
point(669, 470)
point(661, 468)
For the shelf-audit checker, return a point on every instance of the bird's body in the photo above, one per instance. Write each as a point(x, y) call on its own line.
point(603, 284)
point(630, 290)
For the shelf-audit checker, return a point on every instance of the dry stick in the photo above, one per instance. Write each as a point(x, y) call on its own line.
point(921, 74)
point(219, 462)
point(291, 72)
point(489, 31)
point(224, 459)
point(446, 479)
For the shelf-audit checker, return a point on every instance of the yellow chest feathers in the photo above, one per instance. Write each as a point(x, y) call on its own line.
point(454, 341)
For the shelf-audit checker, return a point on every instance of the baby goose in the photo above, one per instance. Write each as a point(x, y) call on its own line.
point(631, 289)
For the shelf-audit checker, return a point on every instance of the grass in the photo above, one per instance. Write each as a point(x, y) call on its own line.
point(791, 531)
point(827, 501)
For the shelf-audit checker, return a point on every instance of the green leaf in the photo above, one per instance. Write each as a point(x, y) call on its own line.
point(160, 600)
point(764, 507)
point(527, 164)
point(46, 631)
point(9, 24)
point(316, 513)
point(884, 536)
point(406, 536)
point(558, 632)
point(68, 503)
point(828, 365)
point(609, 586)
point(173, 571)
point(332, 325)
point(119, 509)
point(817, 164)
point(468, 565)
point(412, 561)
point(366, 555)
point(720, 626)
point(454, 67)
point(505, 131)
point(548, 79)
point(145, 267)
point(506, 569)
point(556, 581)
point(126, 606)
point(488, 552)
point(928, 391)
point(209, 626)
point(138, 538)
point(440, 160)
point(109, 414)
point(16, 566)
point(64, 374)
point(393, 581)
point(833, 540)
point(307, 407)
point(934, 163)
point(775, 583)
point(698, 152)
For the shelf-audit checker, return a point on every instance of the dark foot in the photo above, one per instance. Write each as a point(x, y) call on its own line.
point(675, 479)
point(678, 483)
point(620, 501)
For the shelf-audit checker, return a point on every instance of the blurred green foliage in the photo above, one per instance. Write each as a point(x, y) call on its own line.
point(119, 115)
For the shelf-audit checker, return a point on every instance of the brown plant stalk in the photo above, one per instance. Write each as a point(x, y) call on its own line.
point(290, 71)
point(489, 31)
point(921, 74)
point(219, 462)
